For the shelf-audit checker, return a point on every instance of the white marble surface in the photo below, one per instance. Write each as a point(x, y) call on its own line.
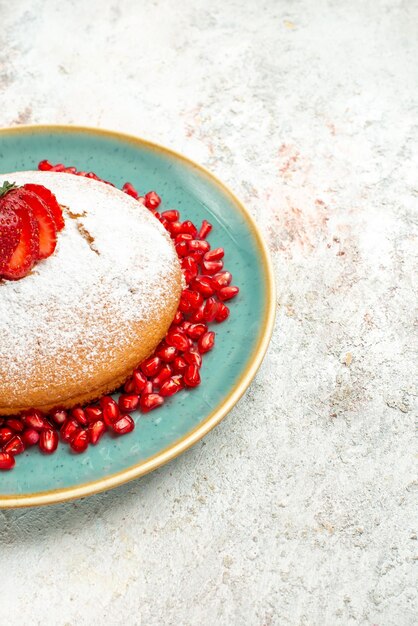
point(298, 509)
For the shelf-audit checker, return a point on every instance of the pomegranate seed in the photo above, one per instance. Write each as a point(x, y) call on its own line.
point(171, 216)
point(206, 342)
point(191, 376)
point(177, 339)
point(197, 316)
point(93, 413)
point(6, 434)
point(205, 229)
point(44, 165)
point(30, 437)
point(210, 310)
point(96, 430)
point(34, 419)
point(59, 167)
point(222, 313)
point(179, 365)
point(226, 293)
point(164, 373)
point(193, 358)
point(188, 263)
point(167, 353)
point(223, 279)
point(178, 318)
point(189, 227)
point(194, 298)
point(214, 255)
point(139, 381)
point(15, 424)
point(197, 245)
point(196, 255)
point(70, 170)
point(14, 446)
point(69, 430)
point(7, 461)
point(80, 442)
point(129, 386)
point(152, 200)
point(211, 267)
point(183, 237)
point(48, 441)
point(174, 228)
point(151, 366)
point(124, 424)
point(171, 386)
point(92, 175)
point(194, 331)
point(203, 284)
point(130, 190)
point(150, 401)
point(110, 410)
point(184, 306)
point(148, 388)
point(128, 402)
point(59, 416)
point(80, 416)
point(182, 248)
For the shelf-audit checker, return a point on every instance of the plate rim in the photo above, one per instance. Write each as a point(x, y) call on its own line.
point(179, 446)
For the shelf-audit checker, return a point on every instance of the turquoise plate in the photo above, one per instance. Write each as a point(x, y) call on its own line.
point(240, 342)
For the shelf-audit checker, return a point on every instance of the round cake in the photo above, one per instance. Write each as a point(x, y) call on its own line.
point(82, 320)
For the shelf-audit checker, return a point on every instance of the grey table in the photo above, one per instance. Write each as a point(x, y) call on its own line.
point(298, 509)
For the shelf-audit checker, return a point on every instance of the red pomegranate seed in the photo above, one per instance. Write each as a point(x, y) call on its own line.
point(164, 373)
point(191, 376)
point(183, 237)
point(96, 430)
point(189, 227)
point(194, 331)
point(7, 461)
point(69, 430)
point(128, 402)
point(150, 401)
point(227, 293)
point(148, 388)
point(171, 386)
point(171, 216)
point(151, 366)
point(182, 248)
point(80, 442)
point(70, 170)
point(14, 446)
point(48, 441)
point(206, 342)
point(44, 165)
point(15, 424)
point(167, 353)
point(110, 409)
point(184, 306)
point(6, 434)
point(223, 279)
point(211, 267)
point(123, 425)
point(210, 310)
point(222, 313)
point(174, 228)
point(194, 298)
point(205, 229)
point(152, 200)
point(93, 413)
point(139, 381)
point(203, 284)
point(30, 437)
point(80, 416)
point(178, 318)
point(130, 190)
point(189, 264)
point(215, 255)
point(193, 358)
point(179, 365)
point(59, 416)
point(34, 419)
point(177, 339)
point(197, 316)
point(59, 167)
point(197, 245)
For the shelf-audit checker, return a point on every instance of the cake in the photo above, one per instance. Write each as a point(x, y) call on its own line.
point(81, 320)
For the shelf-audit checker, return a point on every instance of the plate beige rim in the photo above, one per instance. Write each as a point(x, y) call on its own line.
point(254, 361)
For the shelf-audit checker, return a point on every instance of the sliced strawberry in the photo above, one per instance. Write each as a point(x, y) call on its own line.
point(46, 223)
point(48, 197)
point(9, 233)
point(24, 256)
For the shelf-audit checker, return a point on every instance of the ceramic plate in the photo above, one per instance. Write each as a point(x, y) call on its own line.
point(241, 341)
